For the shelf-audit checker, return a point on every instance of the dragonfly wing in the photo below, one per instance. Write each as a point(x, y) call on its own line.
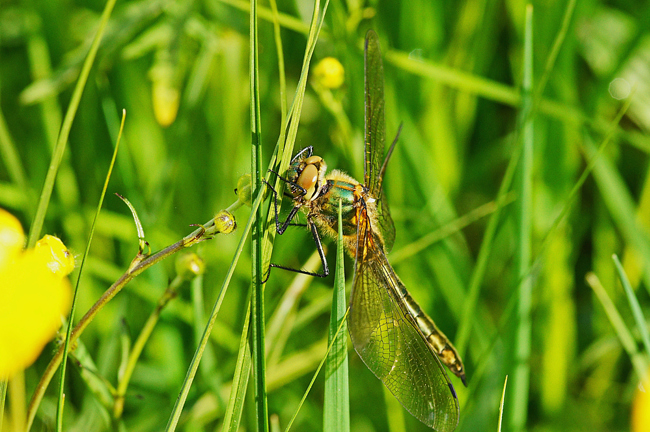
point(393, 348)
point(376, 135)
point(375, 123)
point(385, 223)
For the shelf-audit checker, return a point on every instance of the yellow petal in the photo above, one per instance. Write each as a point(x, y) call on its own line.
point(32, 300)
point(641, 408)
point(56, 256)
point(12, 237)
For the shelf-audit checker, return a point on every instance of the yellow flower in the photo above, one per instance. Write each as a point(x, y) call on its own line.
point(641, 408)
point(12, 237)
point(329, 73)
point(34, 293)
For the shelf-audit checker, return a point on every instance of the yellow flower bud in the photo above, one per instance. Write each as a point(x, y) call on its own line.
point(189, 265)
point(55, 255)
point(166, 100)
point(244, 191)
point(225, 222)
point(164, 93)
point(329, 73)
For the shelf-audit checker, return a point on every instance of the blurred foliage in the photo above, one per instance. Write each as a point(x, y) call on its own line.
point(453, 71)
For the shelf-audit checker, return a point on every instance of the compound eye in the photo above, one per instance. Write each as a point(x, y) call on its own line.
point(313, 160)
point(307, 180)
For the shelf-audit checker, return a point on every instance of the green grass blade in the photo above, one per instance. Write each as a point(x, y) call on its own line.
point(12, 162)
point(557, 44)
point(46, 193)
point(503, 399)
point(336, 409)
point(320, 366)
point(3, 398)
point(523, 222)
point(257, 238)
point(639, 363)
point(640, 320)
point(239, 381)
point(66, 347)
point(620, 205)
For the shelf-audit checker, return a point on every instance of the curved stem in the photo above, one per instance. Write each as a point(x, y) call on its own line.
point(139, 264)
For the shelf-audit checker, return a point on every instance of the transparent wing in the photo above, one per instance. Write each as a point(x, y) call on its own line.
point(389, 343)
point(376, 134)
point(375, 123)
point(385, 223)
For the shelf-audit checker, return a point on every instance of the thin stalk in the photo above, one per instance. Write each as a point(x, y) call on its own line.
point(66, 345)
point(628, 342)
point(637, 312)
point(138, 346)
point(239, 381)
point(257, 239)
point(523, 223)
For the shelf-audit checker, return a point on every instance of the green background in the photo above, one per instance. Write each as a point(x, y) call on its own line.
point(453, 76)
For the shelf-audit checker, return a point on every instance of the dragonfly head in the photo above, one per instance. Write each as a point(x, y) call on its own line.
point(309, 174)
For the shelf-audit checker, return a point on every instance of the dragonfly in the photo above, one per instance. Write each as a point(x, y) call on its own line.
point(393, 336)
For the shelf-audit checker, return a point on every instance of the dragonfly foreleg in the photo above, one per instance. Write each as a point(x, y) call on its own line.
point(309, 150)
point(302, 190)
point(321, 253)
point(280, 228)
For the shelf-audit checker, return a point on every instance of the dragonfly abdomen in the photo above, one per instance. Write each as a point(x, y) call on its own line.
point(434, 337)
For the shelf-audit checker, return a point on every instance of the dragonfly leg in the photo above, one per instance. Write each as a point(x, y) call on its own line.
point(302, 190)
point(280, 228)
point(309, 150)
point(321, 253)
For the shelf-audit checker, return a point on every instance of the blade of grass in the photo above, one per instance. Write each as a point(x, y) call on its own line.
point(262, 245)
point(641, 323)
point(620, 205)
point(3, 397)
point(285, 146)
point(447, 230)
point(281, 73)
point(336, 409)
point(624, 334)
point(59, 407)
point(503, 398)
point(507, 95)
point(523, 222)
point(46, 193)
point(550, 61)
point(287, 21)
point(257, 239)
point(320, 366)
point(283, 319)
point(240, 381)
point(13, 164)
